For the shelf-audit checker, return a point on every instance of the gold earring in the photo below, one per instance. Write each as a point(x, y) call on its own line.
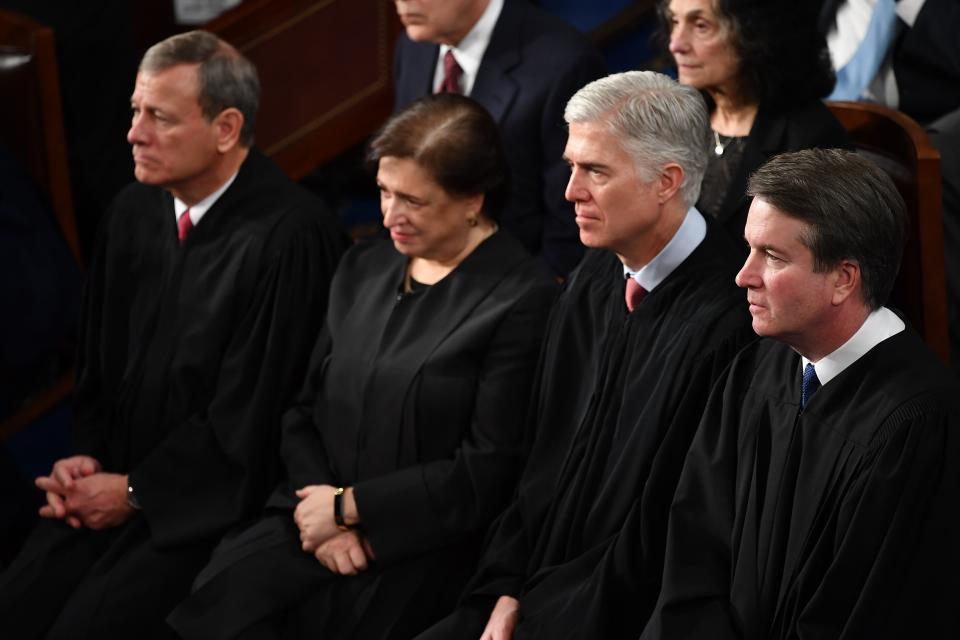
point(472, 222)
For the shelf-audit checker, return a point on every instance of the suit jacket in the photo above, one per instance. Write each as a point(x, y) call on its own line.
point(808, 125)
point(534, 63)
point(926, 59)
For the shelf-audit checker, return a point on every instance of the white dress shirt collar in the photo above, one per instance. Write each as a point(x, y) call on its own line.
point(879, 325)
point(688, 237)
point(469, 52)
point(198, 210)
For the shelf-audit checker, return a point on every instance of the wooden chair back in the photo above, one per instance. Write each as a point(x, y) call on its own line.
point(325, 73)
point(32, 124)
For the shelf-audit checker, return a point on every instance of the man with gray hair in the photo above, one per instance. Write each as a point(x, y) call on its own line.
point(205, 294)
point(819, 498)
point(642, 330)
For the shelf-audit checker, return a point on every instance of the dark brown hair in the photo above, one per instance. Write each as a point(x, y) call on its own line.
point(851, 207)
point(455, 140)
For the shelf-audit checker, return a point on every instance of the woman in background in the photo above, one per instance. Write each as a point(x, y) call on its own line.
point(408, 436)
point(763, 68)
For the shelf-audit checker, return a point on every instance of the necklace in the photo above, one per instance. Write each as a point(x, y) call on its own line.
point(721, 146)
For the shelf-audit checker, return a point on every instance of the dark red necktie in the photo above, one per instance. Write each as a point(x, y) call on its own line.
point(634, 294)
point(184, 224)
point(451, 74)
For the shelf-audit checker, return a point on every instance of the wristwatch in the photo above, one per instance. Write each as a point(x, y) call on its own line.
point(132, 497)
point(338, 510)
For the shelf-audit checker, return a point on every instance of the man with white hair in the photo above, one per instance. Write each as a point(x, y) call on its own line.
point(642, 330)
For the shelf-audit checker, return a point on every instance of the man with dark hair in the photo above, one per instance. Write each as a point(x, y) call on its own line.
point(643, 328)
point(206, 291)
point(522, 64)
point(819, 497)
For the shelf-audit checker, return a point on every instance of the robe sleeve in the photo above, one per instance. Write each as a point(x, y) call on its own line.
point(91, 413)
point(892, 572)
point(427, 506)
point(694, 600)
point(216, 467)
point(609, 590)
point(301, 447)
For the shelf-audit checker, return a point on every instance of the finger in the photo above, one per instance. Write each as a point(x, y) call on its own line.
point(303, 492)
point(46, 483)
point(46, 511)
point(62, 475)
point(357, 558)
point(88, 467)
point(74, 522)
point(344, 566)
point(55, 502)
point(367, 549)
point(327, 562)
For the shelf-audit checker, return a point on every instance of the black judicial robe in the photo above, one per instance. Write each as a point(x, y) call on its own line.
point(837, 522)
point(188, 356)
point(619, 397)
point(417, 401)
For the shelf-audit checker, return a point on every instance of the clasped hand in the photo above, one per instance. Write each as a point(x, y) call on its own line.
point(80, 494)
point(342, 552)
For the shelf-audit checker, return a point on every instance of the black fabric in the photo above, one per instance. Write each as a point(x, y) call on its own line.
point(804, 126)
point(619, 396)
point(69, 584)
point(719, 175)
point(418, 402)
point(188, 357)
point(837, 522)
point(533, 64)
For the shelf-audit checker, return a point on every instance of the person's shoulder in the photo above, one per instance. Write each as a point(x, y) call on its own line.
point(137, 194)
point(813, 124)
point(135, 203)
point(898, 384)
point(906, 366)
point(702, 287)
point(762, 364)
point(543, 32)
point(375, 251)
point(596, 263)
point(503, 251)
point(286, 209)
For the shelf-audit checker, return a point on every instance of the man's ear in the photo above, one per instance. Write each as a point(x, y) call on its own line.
point(846, 281)
point(671, 178)
point(229, 124)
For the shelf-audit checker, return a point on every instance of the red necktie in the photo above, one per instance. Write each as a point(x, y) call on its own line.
point(451, 74)
point(634, 294)
point(184, 224)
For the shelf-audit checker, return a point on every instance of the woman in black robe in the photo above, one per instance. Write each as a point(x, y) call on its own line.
point(763, 68)
point(408, 434)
